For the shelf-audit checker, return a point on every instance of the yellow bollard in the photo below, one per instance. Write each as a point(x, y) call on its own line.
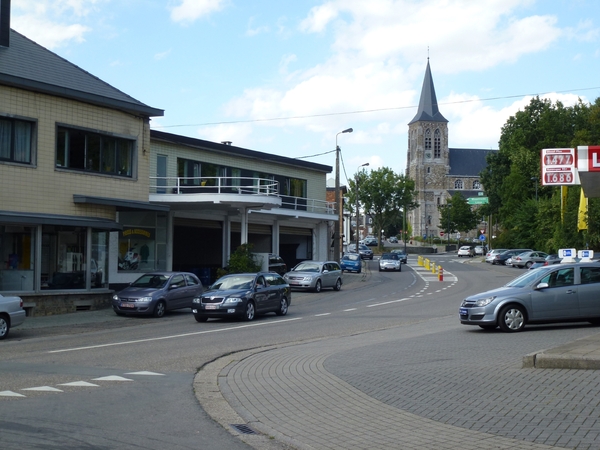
point(440, 273)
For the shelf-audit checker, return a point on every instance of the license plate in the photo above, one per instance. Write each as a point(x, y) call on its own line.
point(127, 305)
point(211, 307)
point(463, 311)
point(294, 283)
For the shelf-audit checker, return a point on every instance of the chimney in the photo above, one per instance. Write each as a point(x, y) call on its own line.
point(4, 23)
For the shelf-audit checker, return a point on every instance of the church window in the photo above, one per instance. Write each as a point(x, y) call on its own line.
point(476, 184)
point(458, 184)
point(427, 139)
point(438, 201)
point(437, 144)
point(428, 220)
point(429, 170)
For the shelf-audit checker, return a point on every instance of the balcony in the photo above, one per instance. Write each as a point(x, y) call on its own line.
point(232, 192)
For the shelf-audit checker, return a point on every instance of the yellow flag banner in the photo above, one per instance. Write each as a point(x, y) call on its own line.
point(563, 202)
point(582, 214)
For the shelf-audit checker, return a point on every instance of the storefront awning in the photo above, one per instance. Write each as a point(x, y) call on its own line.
point(119, 204)
point(21, 218)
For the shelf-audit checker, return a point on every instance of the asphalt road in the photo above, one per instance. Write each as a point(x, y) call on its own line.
point(127, 383)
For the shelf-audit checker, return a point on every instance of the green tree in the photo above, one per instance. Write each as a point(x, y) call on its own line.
point(384, 195)
point(242, 260)
point(457, 215)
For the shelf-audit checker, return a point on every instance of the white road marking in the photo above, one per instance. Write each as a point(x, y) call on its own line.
point(323, 314)
point(112, 378)
point(80, 384)
point(351, 309)
point(145, 372)
point(42, 388)
point(387, 303)
point(10, 394)
point(173, 336)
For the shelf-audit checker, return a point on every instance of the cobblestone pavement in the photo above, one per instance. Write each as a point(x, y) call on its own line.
point(381, 390)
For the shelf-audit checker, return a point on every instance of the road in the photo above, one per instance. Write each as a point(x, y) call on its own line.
point(128, 382)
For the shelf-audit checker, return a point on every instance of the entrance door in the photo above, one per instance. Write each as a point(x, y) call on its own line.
point(161, 173)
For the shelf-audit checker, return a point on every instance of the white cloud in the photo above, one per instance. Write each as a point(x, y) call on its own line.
point(188, 11)
point(49, 34)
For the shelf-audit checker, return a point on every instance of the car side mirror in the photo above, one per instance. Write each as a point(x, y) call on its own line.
point(173, 286)
point(542, 286)
point(325, 271)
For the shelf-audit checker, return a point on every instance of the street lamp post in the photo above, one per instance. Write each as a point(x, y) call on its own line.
point(357, 205)
point(337, 243)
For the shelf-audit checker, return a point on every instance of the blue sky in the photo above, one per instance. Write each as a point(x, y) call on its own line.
point(284, 77)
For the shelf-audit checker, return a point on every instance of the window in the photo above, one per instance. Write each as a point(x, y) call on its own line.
point(188, 171)
point(16, 138)
point(437, 144)
point(429, 170)
point(17, 254)
point(458, 184)
point(590, 275)
point(427, 139)
point(94, 152)
point(476, 185)
point(142, 243)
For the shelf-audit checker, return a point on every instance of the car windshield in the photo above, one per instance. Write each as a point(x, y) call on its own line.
point(350, 257)
point(307, 267)
point(528, 277)
point(151, 281)
point(233, 282)
point(389, 256)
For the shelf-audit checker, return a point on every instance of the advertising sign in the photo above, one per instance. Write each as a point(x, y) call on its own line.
point(559, 167)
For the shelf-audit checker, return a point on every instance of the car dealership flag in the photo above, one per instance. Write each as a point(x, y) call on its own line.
point(582, 214)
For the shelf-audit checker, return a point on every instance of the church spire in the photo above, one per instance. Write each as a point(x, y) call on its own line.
point(428, 106)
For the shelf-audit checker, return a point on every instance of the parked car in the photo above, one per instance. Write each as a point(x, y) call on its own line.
point(478, 249)
point(552, 259)
point(466, 250)
point(393, 240)
point(12, 314)
point(351, 262)
point(390, 261)
point(527, 259)
point(492, 253)
point(549, 294)
point(243, 295)
point(315, 275)
point(502, 258)
point(277, 264)
point(401, 255)
point(365, 252)
point(157, 292)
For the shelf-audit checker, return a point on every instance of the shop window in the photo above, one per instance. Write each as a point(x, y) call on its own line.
point(64, 257)
point(16, 140)
point(17, 253)
point(94, 152)
point(141, 242)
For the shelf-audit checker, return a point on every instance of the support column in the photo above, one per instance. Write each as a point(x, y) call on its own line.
point(244, 226)
point(170, 234)
point(226, 239)
point(275, 238)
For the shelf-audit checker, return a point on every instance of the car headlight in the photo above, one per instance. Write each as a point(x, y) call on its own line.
point(144, 299)
point(485, 301)
point(232, 301)
point(115, 297)
point(197, 300)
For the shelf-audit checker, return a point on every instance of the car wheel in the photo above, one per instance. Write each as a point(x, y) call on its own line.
point(512, 318)
point(4, 327)
point(283, 307)
point(250, 311)
point(359, 271)
point(487, 327)
point(200, 318)
point(528, 264)
point(380, 269)
point(318, 286)
point(338, 285)
point(159, 309)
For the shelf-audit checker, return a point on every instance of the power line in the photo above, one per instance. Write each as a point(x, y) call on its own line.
point(366, 111)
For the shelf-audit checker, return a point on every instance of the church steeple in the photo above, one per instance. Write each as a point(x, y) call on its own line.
point(428, 107)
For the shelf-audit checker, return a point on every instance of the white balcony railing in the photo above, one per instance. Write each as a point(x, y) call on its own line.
point(237, 185)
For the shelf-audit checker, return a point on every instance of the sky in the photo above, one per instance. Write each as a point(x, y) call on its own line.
point(286, 77)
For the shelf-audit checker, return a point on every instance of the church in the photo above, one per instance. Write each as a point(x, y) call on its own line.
point(438, 170)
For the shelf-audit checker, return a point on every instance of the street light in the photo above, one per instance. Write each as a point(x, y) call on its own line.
point(337, 243)
point(535, 179)
point(357, 213)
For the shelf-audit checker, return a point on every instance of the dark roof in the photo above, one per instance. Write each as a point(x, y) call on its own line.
point(233, 150)
point(27, 65)
point(467, 162)
point(428, 105)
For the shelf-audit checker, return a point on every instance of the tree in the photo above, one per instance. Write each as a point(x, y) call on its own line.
point(384, 195)
point(457, 215)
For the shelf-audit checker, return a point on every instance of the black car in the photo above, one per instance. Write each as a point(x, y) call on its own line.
point(243, 295)
point(365, 252)
point(402, 255)
point(277, 264)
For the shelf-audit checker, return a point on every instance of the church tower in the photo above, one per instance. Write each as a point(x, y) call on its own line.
point(428, 161)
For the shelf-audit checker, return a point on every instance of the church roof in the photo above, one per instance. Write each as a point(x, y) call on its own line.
point(467, 162)
point(27, 65)
point(428, 106)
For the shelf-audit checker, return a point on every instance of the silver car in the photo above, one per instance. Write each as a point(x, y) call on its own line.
point(157, 292)
point(556, 293)
point(527, 259)
point(315, 275)
point(390, 261)
point(11, 314)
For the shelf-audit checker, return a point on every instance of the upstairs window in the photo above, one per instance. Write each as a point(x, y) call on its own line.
point(94, 152)
point(427, 139)
point(476, 185)
point(437, 144)
point(458, 184)
point(16, 138)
